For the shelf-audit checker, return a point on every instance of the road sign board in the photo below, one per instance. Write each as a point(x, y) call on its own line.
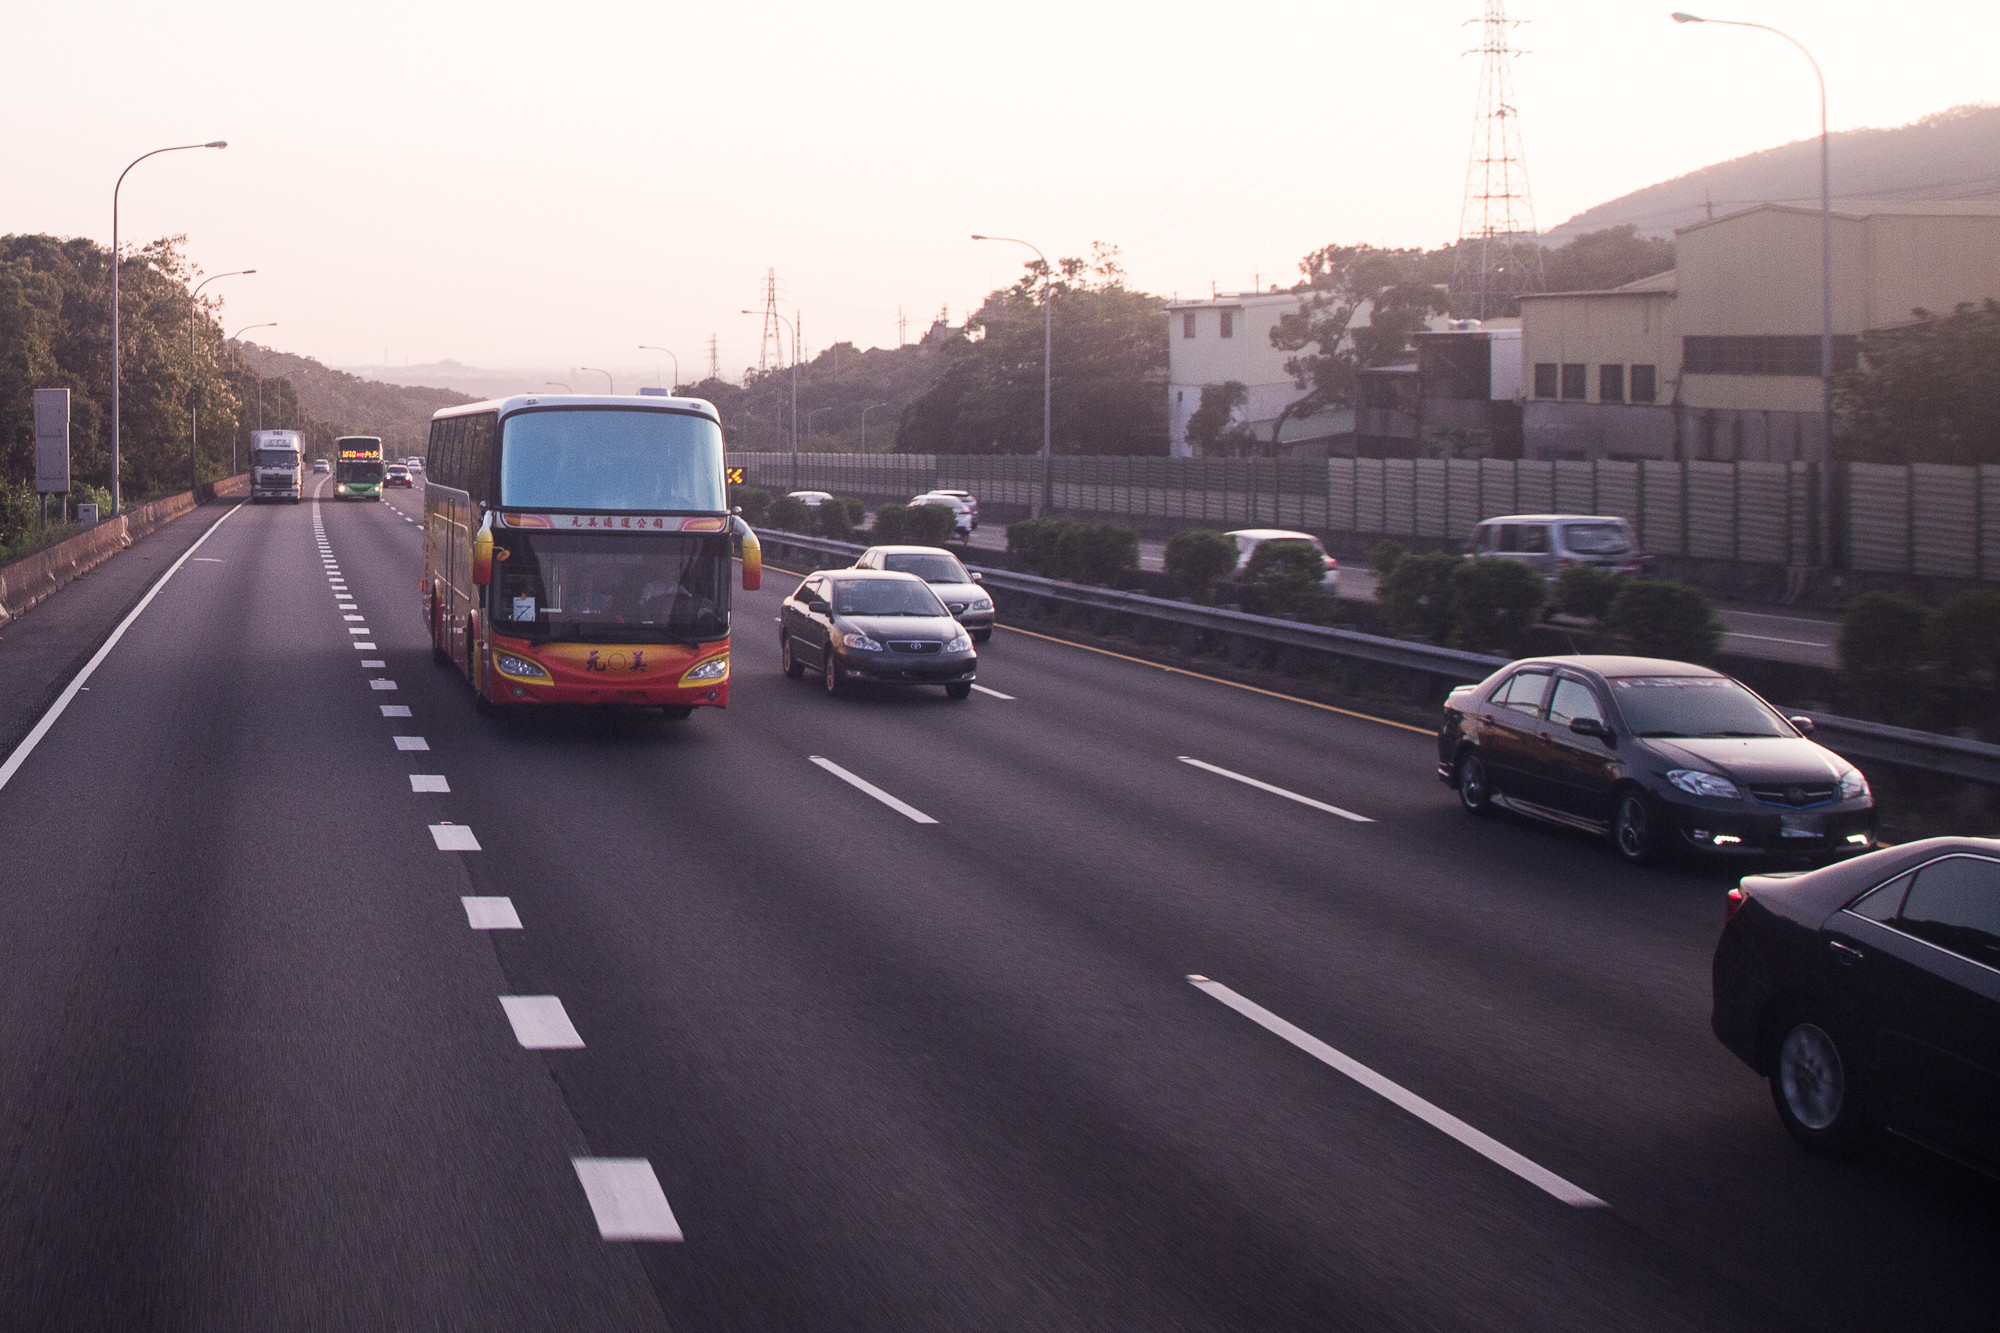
point(51, 441)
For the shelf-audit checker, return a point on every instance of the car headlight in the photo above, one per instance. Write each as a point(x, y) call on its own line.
point(959, 644)
point(862, 642)
point(1697, 783)
point(521, 667)
point(982, 604)
point(715, 668)
point(1853, 785)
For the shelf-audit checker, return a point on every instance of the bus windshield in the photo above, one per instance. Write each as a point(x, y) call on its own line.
point(358, 469)
point(613, 588)
point(611, 458)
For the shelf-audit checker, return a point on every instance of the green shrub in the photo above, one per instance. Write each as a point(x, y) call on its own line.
point(1416, 595)
point(754, 501)
point(887, 529)
point(789, 514)
point(1586, 591)
point(1095, 552)
point(1284, 579)
point(1197, 558)
point(1665, 618)
point(833, 522)
point(857, 510)
point(1384, 555)
point(928, 525)
point(1494, 605)
point(1962, 649)
point(1032, 541)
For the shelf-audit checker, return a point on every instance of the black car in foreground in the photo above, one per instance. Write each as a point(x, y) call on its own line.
point(1868, 993)
point(873, 625)
point(1661, 756)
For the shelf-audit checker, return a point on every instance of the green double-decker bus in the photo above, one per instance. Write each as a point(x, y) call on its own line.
point(357, 468)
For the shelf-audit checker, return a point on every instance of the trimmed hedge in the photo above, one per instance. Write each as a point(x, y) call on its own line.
point(1586, 591)
point(1494, 605)
point(1198, 558)
point(1062, 548)
point(1284, 579)
point(754, 501)
point(789, 514)
point(1416, 595)
point(1664, 618)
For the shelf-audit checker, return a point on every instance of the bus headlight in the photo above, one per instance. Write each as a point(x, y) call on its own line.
point(715, 668)
point(340, 489)
point(519, 667)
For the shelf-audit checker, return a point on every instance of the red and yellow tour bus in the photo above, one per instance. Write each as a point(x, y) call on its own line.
point(577, 551)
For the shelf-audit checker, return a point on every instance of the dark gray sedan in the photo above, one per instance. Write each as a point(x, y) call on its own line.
point(874, 625)
point(959, 590)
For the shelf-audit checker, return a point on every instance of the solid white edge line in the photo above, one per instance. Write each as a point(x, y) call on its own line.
point(1436, 1117)
point(41, 729)
point(995, 693)
point(862, 784)
point(1277, 791)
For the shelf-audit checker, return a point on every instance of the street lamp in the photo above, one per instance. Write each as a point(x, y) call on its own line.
point(793, 330)
point(1047, 501)
point(194, 478)
point(116, 362)
point(648, 347)
point(610, 385)
point(809, 419)
point(864, 423)
point(260, 385)
point(557, 384)
point(1825, 286)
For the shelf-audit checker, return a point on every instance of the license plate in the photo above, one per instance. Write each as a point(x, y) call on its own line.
point(1801, 826)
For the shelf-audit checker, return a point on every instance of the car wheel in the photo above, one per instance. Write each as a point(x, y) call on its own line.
point(831, 677)
point(1632, 829)
point(958, 690)
point(981, 636)
point(793, 667)
point(1816, 1088)
point(1474, 794)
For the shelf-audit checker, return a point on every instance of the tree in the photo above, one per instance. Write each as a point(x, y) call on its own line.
point(1109, 361)
point(1212, 427)
point(1599, 260)
point(1358, 307)
point(1925, 392)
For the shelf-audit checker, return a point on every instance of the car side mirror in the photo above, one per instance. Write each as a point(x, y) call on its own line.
point(977, 577)
point(1590, 726)
point(816, 607)
point(1804, 724)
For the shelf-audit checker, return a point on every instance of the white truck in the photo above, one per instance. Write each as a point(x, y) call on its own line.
point(276, 465)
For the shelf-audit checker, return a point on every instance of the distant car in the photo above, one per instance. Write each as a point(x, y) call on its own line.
point(1249, 539)
point(969, 604)
point(871, 625)
point(963, 519)
point(319, 465)
point(1661, 756)
point(414, 463)
point(971, 500)
point(810, 499)
point(1868, 993)
point(396, 474)
point(1551, 543)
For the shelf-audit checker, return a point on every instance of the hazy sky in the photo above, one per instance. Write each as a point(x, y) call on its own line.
point(511, 184)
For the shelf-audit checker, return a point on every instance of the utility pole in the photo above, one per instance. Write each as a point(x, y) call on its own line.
point(1499, 254)
point(770, 345)
point(714, 362)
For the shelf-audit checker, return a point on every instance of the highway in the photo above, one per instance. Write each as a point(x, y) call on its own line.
point(1141, 1002)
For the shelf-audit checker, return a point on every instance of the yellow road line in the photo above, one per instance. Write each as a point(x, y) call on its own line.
point(1197, 675)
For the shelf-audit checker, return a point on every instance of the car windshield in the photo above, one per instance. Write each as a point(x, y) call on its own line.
point(611, 458)
point(930, 568)
point(1686, 707)
point(277, 458)
point(1597, 538)
point(884, 597)
point(622, 588)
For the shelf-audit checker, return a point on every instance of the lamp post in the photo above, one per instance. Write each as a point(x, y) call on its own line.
point(116, 363)
point(1047, 500)
point(810, 414)
point(194, 430)
point(610, 385)
point(1825, 286)
point(864, 423)
point(793, 330)
point(557, 384)
point(648, 347)
point(260, 385)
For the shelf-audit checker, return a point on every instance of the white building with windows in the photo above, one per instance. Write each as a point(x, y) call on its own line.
point(1221, 339)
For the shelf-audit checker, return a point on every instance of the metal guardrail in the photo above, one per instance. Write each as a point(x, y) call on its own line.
point(1927, 751)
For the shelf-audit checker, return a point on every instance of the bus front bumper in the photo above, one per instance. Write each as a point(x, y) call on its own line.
point(637, 676)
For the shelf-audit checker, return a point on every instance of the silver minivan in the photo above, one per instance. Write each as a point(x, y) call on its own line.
point(1551, 543)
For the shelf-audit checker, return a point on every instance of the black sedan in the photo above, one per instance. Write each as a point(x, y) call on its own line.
point(1659, 755)
point(873, 625)
point(1868, 993)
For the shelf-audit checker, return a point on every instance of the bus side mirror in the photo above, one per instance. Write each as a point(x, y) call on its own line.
point(753, 554)
point(482, 554)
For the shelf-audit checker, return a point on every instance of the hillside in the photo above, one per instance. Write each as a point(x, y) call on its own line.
point(1951, 155)
point(349, 405)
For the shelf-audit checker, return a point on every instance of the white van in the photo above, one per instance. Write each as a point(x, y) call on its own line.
point(275, 465)
point(1551, 543)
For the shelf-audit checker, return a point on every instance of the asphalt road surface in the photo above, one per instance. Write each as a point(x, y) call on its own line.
point(835, 1067)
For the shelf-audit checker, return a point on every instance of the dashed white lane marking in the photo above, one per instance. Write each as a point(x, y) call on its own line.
point(381, 684)
point(862, 784)
point(395, 710)
point(428, 782)
point(491, 914)
point(207, 560)
point(411, 743)
point(373, 662)
point(76, 686)
point(354, 617)
point(626, 1198)
point(1491, 1149)
point(454, 838)
point(995, 693)
point(358, 631)
point(1765, 638)
point(364, 645)
point(1278, 791)
point(540, 1023)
